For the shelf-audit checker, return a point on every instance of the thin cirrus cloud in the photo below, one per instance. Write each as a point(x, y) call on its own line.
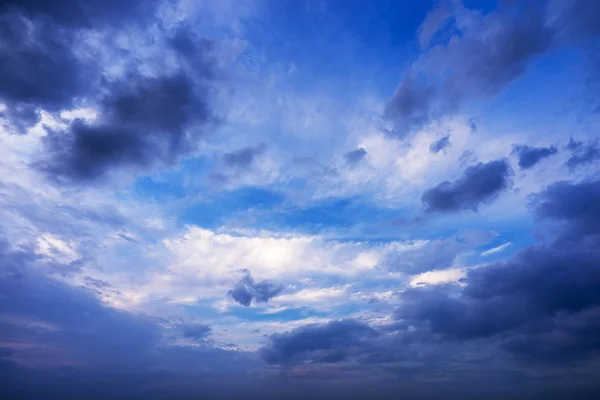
point(194, 205)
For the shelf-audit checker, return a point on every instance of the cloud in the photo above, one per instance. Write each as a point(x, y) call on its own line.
point(542, 304)
point(355, 156)
point(147, 113)
point(326, 343)
point(496, 249)
point(582, 153)
point(141, 120)
point(480, 184)
point(244, 158)
point(195, 331)
point(440, 144)
point(432, 255)
point(483, 55)
point(47, 325)
point(266, 254)
point(247, 290)
point(576, 205)
point(82, 13)
point(530, 156)
point(41, 60)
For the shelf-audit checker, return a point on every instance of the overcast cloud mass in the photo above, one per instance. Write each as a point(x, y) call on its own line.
point(299, 199)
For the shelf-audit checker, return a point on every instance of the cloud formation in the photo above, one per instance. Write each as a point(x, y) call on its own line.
point(246, 290)
point(440, 144)
point(542, 304)
point(41, 60)
point(483, 55)
point(355, 156)
point(327, 343)
point(582, 153)
point(142, 120)
point(244, 158)
point(530, 156)
point(480, 184)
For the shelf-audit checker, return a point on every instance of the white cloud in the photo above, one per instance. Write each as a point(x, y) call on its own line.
point(57, 249)
point(495, 249)
point(438, 277)
point(216, 256)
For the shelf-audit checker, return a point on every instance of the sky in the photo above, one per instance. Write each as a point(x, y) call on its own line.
point(329, 199)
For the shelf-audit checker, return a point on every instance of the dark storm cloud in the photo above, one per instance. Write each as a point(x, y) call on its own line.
point(440, 144)
point(582, 153)
point(244, 158)
point(355, 156)
point(486, 53)
point(544, 303)
point(327, 343)
point(480, 184)
point(530, 156)
point(247, 290)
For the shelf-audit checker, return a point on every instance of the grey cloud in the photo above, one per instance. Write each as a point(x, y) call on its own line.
point(543, 304)
point(247, 290)
point(244, 158)
point(480, 184)
point(484, 55)
point(39, 62)
point(435, 254)
point(582, 153)
point(576, 205)
point(440, 144)
point(39, 69)
point(143, 121)
point(574, 19)
point(530, 156)
point(327, 343)
point(84, 13)
point(540, 308)
point(42, 317)
point(195, 331)
point(355, 156)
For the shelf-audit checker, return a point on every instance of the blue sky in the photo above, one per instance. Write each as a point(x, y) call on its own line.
point(216, 199)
